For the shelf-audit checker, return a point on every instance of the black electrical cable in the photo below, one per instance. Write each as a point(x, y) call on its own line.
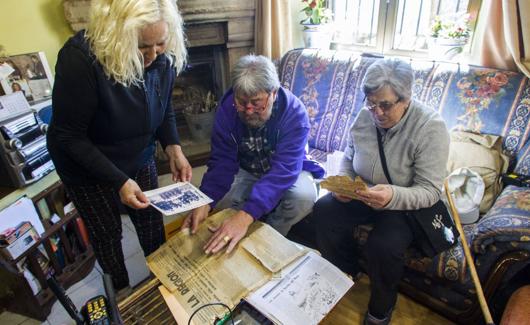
point(212, 304)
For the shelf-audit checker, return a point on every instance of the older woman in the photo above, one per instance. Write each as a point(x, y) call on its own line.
point(111, 102)
point(415, 141)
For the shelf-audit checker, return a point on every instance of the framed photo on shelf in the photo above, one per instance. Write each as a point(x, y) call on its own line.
point(31, 75)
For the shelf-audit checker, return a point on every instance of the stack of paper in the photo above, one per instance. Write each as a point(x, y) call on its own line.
point(287, 280)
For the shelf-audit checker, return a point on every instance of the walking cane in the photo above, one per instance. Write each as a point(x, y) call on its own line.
point(469, 259)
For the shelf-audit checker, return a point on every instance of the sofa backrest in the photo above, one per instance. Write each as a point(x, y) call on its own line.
point(471, 98)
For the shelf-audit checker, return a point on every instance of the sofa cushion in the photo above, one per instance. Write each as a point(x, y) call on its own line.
point(327, 83)
point(482, 100)
point(507, 221)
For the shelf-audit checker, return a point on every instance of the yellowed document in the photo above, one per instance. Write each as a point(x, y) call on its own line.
point(195, 278)
point(271, 249)
point(344, 185)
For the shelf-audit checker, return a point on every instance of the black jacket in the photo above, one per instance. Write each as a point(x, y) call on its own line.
point(102, 131)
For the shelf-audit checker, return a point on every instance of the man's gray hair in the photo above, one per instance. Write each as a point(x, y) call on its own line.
point(253, 74)
point(397, 74)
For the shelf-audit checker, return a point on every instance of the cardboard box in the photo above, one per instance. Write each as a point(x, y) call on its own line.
point(15, 241)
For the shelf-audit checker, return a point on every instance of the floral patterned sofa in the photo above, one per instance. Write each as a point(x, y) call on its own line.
point(469, 98)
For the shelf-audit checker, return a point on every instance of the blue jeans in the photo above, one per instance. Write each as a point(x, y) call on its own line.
point(296, 203)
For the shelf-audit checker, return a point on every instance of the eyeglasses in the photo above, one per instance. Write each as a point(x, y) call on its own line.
point(254, 105)
point(384, 105)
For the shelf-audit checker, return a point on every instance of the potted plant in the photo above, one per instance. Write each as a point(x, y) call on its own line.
point(449, 35)
point(316, 24)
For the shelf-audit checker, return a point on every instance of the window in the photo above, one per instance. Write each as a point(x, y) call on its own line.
point(398, 27)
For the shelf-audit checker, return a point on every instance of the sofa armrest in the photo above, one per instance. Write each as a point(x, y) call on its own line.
point(523, 160)
point(508, 220)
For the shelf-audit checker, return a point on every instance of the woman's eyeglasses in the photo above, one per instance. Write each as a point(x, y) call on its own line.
point(254, 105)
point(384, 105)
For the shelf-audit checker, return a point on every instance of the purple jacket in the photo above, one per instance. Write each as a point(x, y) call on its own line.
point(289, 127)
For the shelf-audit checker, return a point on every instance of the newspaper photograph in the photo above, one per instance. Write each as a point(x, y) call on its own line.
point(177, 198)
point(306, 292)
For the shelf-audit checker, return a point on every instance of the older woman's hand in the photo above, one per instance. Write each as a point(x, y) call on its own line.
point(341, 198)
point(180, 167)
point(377, 196)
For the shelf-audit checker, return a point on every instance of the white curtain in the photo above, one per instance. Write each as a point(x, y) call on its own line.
point(502, 35)
point(273, 28)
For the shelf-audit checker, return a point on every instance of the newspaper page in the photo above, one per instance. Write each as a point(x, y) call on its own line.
point(177, 198)
point(344, 185)
point(272, 249)
point(306, 292)
point(195, 278)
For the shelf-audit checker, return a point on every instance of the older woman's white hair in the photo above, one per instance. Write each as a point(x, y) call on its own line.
point(395, 73)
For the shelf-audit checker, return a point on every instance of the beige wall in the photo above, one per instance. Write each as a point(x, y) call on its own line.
point(296, 6)
point(32, 26)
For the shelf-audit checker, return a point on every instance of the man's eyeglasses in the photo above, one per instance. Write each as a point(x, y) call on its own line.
point(384, 105)
point(254, 105)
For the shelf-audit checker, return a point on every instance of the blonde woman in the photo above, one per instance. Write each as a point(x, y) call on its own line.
point(111, 102)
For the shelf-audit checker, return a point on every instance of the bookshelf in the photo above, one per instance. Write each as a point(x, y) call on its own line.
point(68, 255)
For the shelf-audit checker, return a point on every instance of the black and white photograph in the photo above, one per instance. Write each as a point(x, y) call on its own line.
point(177, 198)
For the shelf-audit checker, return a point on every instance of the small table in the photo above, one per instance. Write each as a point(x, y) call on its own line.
point(147, 306)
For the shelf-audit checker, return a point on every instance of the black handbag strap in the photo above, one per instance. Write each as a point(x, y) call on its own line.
point(382, 156)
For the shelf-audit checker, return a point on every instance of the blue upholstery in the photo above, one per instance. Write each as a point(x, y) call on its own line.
point(469, 98)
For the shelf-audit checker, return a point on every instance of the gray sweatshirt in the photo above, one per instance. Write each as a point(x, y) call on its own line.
point(416, 151)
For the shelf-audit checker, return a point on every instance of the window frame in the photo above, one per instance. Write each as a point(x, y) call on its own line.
point(386, 22)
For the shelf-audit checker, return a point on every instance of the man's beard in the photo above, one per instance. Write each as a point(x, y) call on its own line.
point(254, 120)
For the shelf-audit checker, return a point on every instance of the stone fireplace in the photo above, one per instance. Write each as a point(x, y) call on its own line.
point(218, 33)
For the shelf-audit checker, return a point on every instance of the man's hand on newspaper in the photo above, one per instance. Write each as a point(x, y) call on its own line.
point(180, 167)
point(231, 231)
point(195, 217)
point(131, 195)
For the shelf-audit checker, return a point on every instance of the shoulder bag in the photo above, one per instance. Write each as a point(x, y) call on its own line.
point(434, 227)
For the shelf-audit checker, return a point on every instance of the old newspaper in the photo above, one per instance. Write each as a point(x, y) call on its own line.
point(343, 185)
point(305, 292)
point(195, 278)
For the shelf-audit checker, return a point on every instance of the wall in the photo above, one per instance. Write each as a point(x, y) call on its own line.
point(296, 16)
point(32, 26)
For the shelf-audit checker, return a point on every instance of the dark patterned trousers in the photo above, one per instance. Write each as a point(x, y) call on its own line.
point(384, 250)
point(99, 206)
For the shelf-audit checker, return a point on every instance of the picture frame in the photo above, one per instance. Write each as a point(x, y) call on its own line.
point(32, 75)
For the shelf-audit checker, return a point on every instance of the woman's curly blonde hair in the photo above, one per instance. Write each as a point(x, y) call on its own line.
point(113, 31)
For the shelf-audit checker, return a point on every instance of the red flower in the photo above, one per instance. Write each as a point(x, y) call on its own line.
point(500, 79)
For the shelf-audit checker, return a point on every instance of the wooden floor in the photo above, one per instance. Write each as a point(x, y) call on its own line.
point(352, 307)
